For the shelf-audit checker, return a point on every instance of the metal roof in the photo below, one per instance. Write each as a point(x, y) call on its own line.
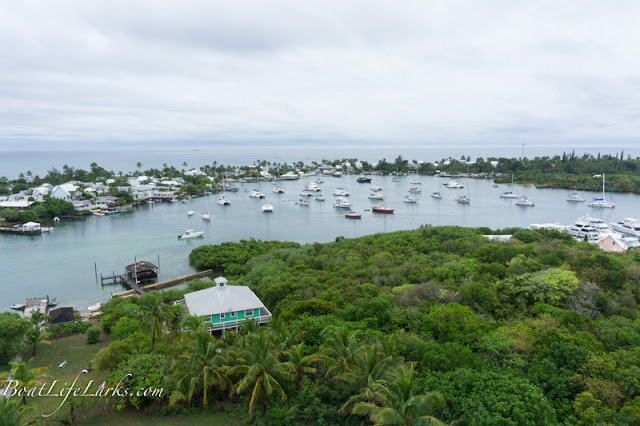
point(216, 300)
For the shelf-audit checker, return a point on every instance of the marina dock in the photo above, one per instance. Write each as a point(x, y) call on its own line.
point(21, 230)
point(158, 286)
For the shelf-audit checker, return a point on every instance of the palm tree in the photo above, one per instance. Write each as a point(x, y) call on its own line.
point(393, 401)
point(154, 314)
point(203, 365)
point(300, 362)
point(37, 318)
point(37, 336)
point(261, 371)
point(338, 353)
point(10, 412)
point(23, 377)
point(139, 166)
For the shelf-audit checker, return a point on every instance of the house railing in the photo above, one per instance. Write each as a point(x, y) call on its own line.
point(262, 319)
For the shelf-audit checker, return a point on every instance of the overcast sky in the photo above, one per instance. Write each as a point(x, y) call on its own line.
point(81, 74)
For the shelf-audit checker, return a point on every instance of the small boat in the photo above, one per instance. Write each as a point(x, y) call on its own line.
point(415, 190)
point(94, 307)
point(18, 306)
point(376, 196)
point(381, 208)
point(600, 203)
point(256, 194)
point(319, 180)
point(190, 213)
point(463, 199)
point(223, 201)
point(376, 188)
point(453, 185)
point(337, 174)
point(184, 201)
point(415, 182)
point(575, 197)
point(362, 179)
point(340, 192)
point(206, 216)
point(278, 190)
point(241, 180)
point(98, 212)
point(525, 202)
point(395, 179)
point(56, 219)
point(303, 202)
point(342, 203)
point(267, 208)
point(312, 187)
point(508, 194)
point(353, 215)
point(46, 228)
point(409, 199)
point(436, 194)
point(190, 233)
point(495, 185)
point(319, 197)
point(306, 193)
point(53, 302)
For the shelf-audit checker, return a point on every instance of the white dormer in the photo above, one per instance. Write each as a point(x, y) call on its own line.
point(221, 282)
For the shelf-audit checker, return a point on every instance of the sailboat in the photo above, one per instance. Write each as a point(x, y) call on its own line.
point(464, 199)
point(509, 194)
point(416, 180)
point(221, 198)
point(601, 203)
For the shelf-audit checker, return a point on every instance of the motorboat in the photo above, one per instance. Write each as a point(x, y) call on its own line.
point(508, 194)
point(525, 202)
point(463, 199)
point(18, 306)
point(628, 226)
point(46, 228)
point(278, 190)
point(53, 302)
point(589, 227)
point(376, 188)
point(575, 197)
point(267, 208)
point(94, 307)
point(395, 179)
point(241, 180)
point(415, 190)
point(340, 192)
point(319, 180)
point(409, 199)
point(454, 185)
point(306, 193)
point(312, 187)
point(319, 197)
point(303, 202)
point(376, 196)
point(190, 213)
point(363, 179)
point(353, 215)
point(223, 201)
point(495, 185)
point(206, 216)
point(436, 194)
point(381, 208)
point(256, 194)
point(190, 233)
point(342, 203)
point(98, 213)
point(337, 174)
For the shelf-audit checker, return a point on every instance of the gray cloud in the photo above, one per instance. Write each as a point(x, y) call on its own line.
point(121, 73)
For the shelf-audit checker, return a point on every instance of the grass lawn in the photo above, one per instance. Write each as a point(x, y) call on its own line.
point(78, 354)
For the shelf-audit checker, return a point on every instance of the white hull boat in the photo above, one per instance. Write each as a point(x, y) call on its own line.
point(463, 199)
point(319, 198)
point(190, 213)
point(94, 307)
point(376, 196)
point(376, 188)
point(303, 202)
point(339, 192)
point(256, 194)
point(18, 306)
point(267, 208)
point(342, 203)
point(575, 197)
point(601, 203)
point(628, 226)
point(408, 199)
point(508, 194)
point(206, 216)
point(190, 233)
point(525, 202)
point(436, 195)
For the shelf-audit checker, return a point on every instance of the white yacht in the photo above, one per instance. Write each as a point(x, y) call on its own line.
point(409, 199)
point(463, 199)
point(290, 176)
point(206, 216)
point(306, 193)
point(278, 190)
point(267, 208)
point(190, 213)
point(312, 187)
point(575, 197)
point(340, 192)
point(590, 227)
point(337, 174)
point(396, 179)
point(190, 233)
point(222, 200)
point(376, 188)
point(508, 194)
point(601, 203)
point(342, 203)
point(256, 194)
point(628, 226)
point(241, 180)
point(525, 202)
point(415, 190)
point(454, 185)
point(319, 197)
point(376, 196)
point(436, 194)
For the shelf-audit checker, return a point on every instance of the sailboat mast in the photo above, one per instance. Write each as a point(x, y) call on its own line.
point(603, 187)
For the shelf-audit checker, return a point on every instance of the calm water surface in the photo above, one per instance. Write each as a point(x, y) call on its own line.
point(61, 263)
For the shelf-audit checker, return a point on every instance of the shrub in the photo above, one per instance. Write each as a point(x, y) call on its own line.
point(93, 334)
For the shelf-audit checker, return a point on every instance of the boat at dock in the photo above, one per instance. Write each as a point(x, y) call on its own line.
point(190, 233)
point(94, 307)
point(628, 226)
point(18, 306)
point(53, 302)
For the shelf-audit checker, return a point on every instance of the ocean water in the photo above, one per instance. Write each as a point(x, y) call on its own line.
point(61, 263)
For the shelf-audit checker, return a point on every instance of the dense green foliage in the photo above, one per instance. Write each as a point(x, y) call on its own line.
point(12, 331)
point(93, 335)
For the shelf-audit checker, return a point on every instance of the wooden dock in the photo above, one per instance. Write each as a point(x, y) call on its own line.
point(158, 286)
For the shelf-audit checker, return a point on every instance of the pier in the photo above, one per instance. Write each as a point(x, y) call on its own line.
point(21, 230)
point(134, 274)
point(158, 286)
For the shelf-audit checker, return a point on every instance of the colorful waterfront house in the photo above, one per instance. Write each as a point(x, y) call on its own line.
point(66, 191)
point(226, 306)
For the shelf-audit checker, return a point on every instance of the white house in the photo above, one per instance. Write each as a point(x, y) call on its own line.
point(226, 307)
point(194, 172)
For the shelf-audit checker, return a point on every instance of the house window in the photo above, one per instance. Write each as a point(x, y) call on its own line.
point(232, 314)
point(248, 312)
point(222, 315)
